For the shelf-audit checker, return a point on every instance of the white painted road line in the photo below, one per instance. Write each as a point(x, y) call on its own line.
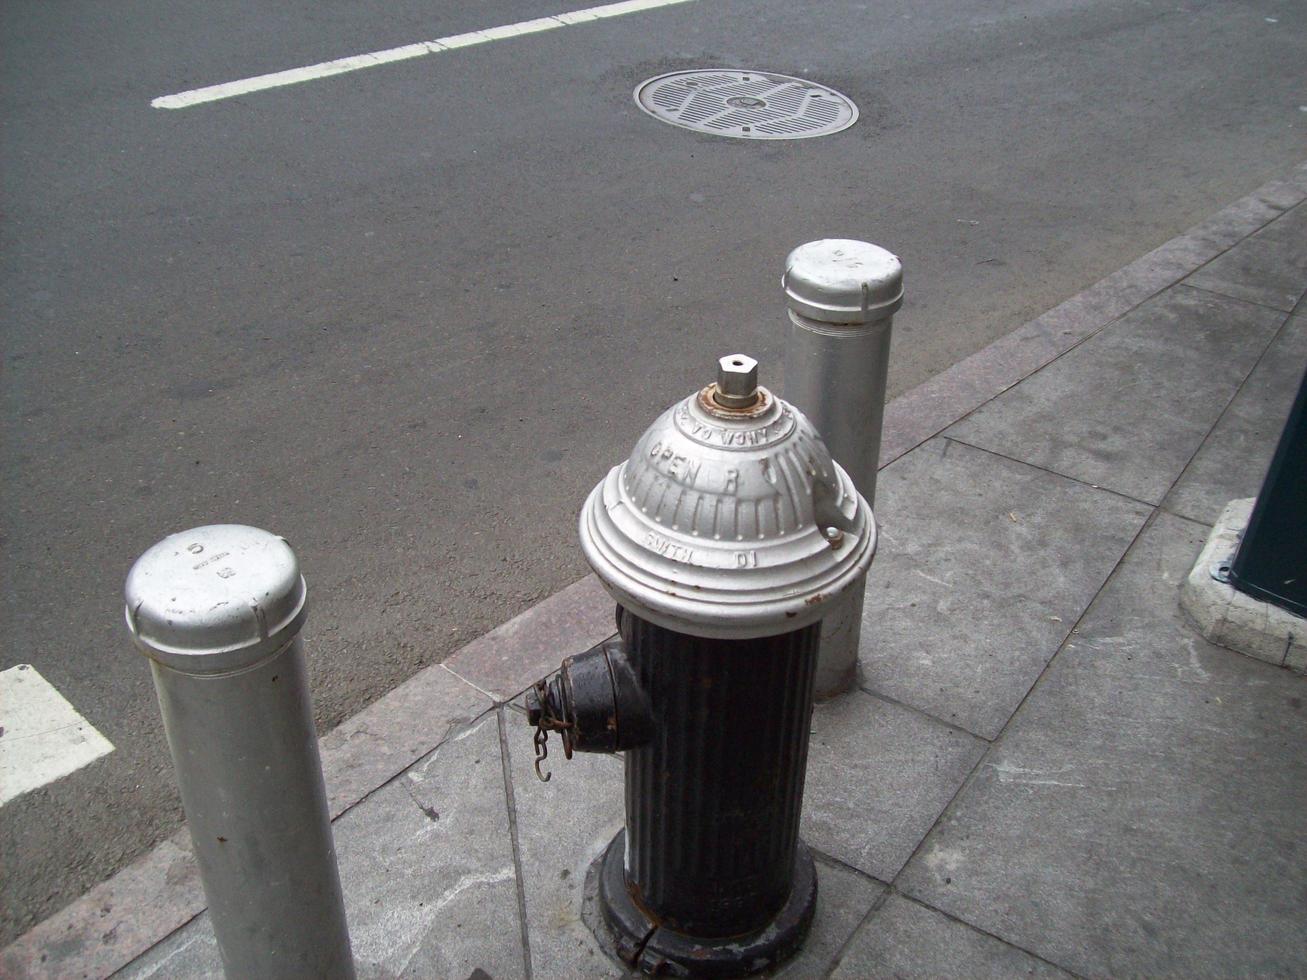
point(293, 76)
point(42, 737)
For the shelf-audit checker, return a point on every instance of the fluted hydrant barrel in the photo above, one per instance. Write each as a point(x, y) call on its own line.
point(713, 801)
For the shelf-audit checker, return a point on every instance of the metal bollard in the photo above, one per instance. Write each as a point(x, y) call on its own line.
point(842, 296)
point(218, 611)
point(724, 538)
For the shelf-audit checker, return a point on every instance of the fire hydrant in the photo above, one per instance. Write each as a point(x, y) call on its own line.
point(724, 538)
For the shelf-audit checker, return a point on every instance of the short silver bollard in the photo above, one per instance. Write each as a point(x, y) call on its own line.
point(218, 611)
point(842, 295)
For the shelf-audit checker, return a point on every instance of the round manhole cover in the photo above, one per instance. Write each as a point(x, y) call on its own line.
point(751, 105)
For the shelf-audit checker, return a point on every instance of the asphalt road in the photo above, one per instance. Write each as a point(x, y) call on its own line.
point(408, 316)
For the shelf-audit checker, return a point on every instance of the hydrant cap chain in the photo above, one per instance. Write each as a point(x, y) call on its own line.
point(839, 280)
point(730, 523)
point(215, 598)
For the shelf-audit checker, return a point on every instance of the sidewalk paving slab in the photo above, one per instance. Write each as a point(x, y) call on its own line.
point(934, 405)
point(1143, 814)
point(1128, 408)
point(1268, 268)
point(1233, 460)
point(879, 775)
point(428, 874)
point(125, 916)
point(562, 826)
point(384, 739)
point(843, 900)
point(983, 568)
point(907, 940)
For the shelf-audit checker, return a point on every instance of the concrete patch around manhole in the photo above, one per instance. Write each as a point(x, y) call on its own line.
point(751, 105)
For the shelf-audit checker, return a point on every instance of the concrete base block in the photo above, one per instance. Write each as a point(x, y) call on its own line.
point(1228, 617)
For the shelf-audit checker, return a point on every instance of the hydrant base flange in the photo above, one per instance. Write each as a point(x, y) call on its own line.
point(658, 950)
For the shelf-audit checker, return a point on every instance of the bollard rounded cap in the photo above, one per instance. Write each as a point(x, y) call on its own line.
point(215, 598)
point(728, 522)
point(838, 280)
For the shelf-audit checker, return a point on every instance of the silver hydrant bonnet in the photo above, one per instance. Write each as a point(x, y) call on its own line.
point(728, 522)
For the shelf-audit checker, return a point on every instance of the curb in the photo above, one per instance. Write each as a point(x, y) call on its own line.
point(122, 918)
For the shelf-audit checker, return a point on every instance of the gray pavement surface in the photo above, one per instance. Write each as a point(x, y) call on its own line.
point(382, 314)
point(1046, 770)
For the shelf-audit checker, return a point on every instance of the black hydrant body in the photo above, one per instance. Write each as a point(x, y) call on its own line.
point(713, 800)
point(723, 539)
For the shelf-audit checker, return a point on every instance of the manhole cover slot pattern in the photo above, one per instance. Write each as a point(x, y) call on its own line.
point(709, 101)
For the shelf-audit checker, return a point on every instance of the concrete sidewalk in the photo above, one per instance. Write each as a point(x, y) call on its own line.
point(1046, 770)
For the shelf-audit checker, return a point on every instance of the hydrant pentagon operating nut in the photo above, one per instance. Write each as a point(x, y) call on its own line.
point(724, 539)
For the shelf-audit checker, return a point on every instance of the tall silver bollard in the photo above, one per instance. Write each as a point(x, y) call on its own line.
point(218, 611)
point(842, 296)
